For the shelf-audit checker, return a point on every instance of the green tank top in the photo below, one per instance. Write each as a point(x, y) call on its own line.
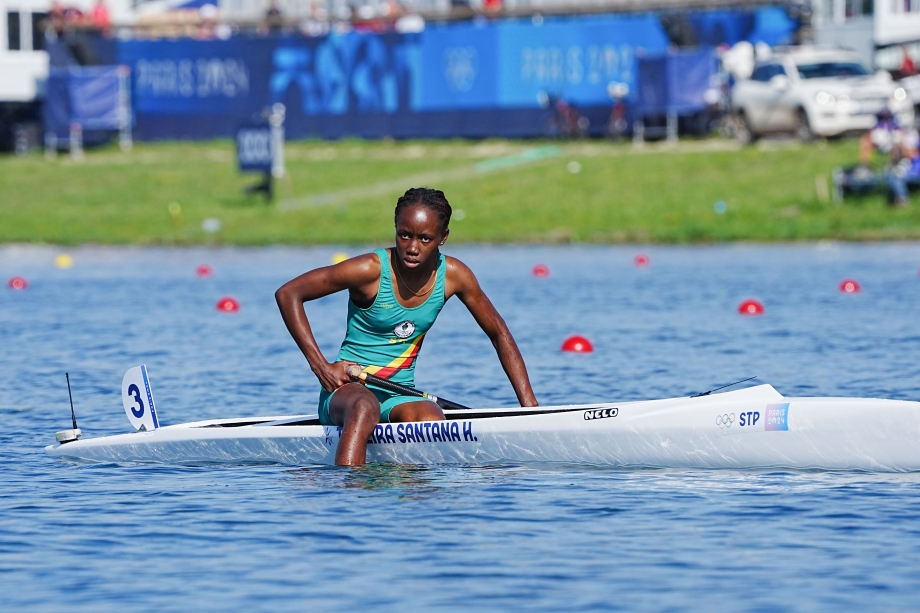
point(386, 337)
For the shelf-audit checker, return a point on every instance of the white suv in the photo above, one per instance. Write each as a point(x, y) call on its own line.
point(814, 91)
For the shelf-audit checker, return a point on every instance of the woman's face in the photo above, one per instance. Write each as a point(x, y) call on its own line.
point(418, 235)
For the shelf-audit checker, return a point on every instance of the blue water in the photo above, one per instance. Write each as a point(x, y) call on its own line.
point(105, 537)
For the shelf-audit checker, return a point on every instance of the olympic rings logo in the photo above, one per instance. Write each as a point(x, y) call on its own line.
point(725, 421)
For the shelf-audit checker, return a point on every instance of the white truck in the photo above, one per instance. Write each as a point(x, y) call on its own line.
point(23, 65)
point(814, 91)
point(24, 61)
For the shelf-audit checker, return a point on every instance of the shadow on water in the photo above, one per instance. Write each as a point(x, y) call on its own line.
point(416, 482)
point(409, 482)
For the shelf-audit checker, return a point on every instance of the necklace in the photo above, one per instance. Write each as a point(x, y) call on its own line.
point(406, 285)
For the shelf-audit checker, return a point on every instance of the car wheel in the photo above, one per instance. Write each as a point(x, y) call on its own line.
point(803, 128)
point(742, 128)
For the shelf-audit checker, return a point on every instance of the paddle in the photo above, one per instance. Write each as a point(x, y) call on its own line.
point(355, 373)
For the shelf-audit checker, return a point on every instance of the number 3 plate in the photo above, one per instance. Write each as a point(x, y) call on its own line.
point(138, 399)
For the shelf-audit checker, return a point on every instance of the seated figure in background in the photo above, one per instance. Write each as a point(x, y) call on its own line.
point(898, 145)
point(905, 170)
point(885, 138)
point(274, 19)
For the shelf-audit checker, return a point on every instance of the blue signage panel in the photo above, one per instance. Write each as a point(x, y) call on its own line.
point(254, 148)
point(189, 76)
point(464, 79)
point(574, 58)
point(343, 73)
point(508, 64)
point(458, 67)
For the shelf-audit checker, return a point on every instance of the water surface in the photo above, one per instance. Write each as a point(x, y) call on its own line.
point(100, 537)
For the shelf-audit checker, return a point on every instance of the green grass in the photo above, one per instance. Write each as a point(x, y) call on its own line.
point(344, 192)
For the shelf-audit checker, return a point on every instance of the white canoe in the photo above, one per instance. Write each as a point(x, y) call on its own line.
point(751, 428)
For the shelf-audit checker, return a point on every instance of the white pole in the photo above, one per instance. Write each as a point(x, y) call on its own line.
point(276, 120)
point(76, 141)
point(50, 145)
point(124, 108)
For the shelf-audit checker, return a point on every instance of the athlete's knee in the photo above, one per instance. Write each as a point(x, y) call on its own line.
point(365, 408)
point(354, 403)
point(417, 411)
point(433, 412)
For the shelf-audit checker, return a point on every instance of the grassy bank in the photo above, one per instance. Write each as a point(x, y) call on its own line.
point(508, 191)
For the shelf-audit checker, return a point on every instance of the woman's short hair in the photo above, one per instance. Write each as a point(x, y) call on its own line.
point(432, 199)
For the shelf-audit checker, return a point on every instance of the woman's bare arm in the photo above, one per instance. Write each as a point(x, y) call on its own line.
point(358, 275)
point(463, 283)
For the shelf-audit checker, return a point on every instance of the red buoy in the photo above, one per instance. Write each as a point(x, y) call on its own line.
point(228, 304)
point(540, 271)
point(641, 260)
point(18, 283)
point(849, 286)
point(577, 344)
point(204, 271)
point(751, 307)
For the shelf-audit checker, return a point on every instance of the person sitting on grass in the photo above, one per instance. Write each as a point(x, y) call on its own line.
point(885, 138)
point(906, 170)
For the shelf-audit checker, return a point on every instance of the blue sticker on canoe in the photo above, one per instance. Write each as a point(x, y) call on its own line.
point(777, 417)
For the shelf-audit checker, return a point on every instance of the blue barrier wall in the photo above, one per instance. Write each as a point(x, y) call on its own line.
point(473, 79)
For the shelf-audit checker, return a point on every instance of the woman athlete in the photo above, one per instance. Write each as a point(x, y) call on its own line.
point(395, 295)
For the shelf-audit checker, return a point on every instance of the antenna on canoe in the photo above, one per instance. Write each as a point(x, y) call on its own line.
point(68, 436)
point(722, 388)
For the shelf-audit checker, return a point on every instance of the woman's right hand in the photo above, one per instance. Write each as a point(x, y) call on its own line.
point(334, 375)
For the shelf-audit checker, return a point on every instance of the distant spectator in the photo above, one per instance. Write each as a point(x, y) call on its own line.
point(492, 6)
point(223, 31)
point(899, 145)
point(409, 24)
point(100, 18)
point(73, 17)
point(274, 19)
point(63, 19)
point(207, 26)
point(908, 68)
point(317, 24)
point(392, 10)
point(885, 138)
point(58, 19)
point(904, 171)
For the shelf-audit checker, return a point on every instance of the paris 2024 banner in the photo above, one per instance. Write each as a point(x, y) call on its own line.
point(473, 79)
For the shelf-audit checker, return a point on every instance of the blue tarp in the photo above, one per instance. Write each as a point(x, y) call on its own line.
point(676, 83)
point(85, 95)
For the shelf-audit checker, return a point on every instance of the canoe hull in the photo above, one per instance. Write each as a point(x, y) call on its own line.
point(752, 428)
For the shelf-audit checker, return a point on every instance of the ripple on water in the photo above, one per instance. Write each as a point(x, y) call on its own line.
point(542, 537)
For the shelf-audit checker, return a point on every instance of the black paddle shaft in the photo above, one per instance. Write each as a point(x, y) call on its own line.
point(410, 391)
